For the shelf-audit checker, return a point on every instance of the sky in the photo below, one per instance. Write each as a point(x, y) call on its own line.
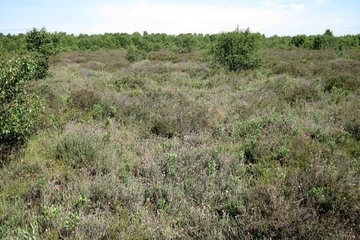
point(269, 17)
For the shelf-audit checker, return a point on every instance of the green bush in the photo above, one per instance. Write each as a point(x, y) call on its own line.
point(324, 42)
point(186, 43)
point(134, 55)
point(299, 40)
point(237, 50)
point(19, 109)
point(43, 43)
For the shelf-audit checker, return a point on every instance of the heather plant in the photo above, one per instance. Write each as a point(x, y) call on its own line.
point(84, 99)
point(343, 81)
point(78, 147)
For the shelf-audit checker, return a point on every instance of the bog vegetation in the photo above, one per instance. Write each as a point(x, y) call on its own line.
point(154, 136)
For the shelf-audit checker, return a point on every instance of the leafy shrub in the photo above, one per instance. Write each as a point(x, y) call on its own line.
point(134, 55)
point(299, 40)
point(43, 43)
point(325, 41)
point(251, 151)
point(238, 50)
point(186, 43)
point(19, 109)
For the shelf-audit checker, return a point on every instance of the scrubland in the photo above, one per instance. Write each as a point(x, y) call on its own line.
point(176, 148)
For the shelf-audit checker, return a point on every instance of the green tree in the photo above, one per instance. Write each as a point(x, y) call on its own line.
point(186, 43)
point(324, 42)
point(43, 43)
point(237, 50)
point(329, 33)
point(278, 42)
point(123, 40)
point(299, 40)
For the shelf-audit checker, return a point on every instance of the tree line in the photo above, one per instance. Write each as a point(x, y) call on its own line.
point(84, 42)
point(182, 43)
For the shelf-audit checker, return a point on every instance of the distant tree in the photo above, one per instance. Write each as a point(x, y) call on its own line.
point(186, 43)
point(123, 40)
point(237, 50)
point(324, 42)
point(348, 41)
point(318, 43)
point(278, 42)
point(309, 42)
point(140, 43)
point(299, 40)
point(84, 44)
point(329, 33)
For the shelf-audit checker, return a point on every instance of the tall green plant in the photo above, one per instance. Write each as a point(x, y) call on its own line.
point(134, 55)
point(186, 43)
point(237, 50)
point(18, 108)
point(42, 42)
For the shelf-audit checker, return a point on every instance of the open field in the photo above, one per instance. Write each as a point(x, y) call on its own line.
point(174, 148)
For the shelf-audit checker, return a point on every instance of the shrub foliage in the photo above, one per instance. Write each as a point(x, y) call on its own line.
point(237, 50)
point(135, 55)
point(42, 42)
point(19, 108)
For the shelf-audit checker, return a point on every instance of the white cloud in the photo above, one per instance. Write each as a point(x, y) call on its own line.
point(184, 18)
point(274, 3)
point(320, 1)
point(298, 7)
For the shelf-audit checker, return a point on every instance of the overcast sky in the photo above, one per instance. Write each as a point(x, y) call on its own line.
point(269, 17)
